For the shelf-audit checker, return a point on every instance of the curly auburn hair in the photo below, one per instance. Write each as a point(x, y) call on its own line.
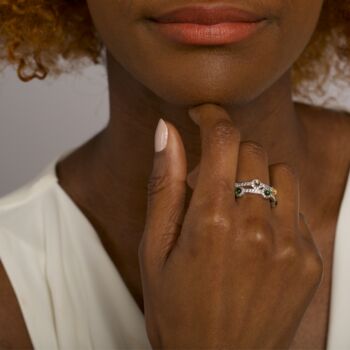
point(36, 34)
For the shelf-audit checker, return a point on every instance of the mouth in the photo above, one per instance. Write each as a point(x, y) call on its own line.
point(207, 25)
point(208, 15)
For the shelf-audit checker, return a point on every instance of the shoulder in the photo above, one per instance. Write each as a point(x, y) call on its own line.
point(28, 191)
point(22, 214)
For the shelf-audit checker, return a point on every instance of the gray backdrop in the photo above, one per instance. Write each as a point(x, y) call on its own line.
point(42, 119)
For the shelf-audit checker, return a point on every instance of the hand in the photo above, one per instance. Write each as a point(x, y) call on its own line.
point(229, 273)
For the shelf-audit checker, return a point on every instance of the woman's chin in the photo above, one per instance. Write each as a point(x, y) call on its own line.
point(194, 94)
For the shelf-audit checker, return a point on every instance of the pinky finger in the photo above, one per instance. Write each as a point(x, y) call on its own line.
point(315, 262)
point(284, 179)
point(305, 231)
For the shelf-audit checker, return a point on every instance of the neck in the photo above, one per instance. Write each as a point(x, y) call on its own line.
point(120, 161)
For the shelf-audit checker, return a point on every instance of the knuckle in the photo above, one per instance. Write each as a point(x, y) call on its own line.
point(216, 222)
point(174, 222)
point(313, 266)
point(287, 238)
point(259, 231)
point(289, 254)
point(208, 233)
point(254, 149)
point(156, 183)
point(223, 131)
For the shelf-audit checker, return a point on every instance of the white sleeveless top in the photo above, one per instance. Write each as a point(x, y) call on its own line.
point(72, 296)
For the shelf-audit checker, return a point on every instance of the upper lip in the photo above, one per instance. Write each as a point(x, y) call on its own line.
point(204, 14)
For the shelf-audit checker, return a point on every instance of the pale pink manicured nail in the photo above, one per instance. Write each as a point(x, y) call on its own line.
point(194, 116)
point(161, 136)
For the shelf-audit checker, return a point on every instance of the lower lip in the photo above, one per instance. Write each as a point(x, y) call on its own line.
point(202, 34)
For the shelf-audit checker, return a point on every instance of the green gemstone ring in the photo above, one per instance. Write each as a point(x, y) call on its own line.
point(255, 186)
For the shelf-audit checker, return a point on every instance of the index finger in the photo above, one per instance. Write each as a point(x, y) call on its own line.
point(220, 141)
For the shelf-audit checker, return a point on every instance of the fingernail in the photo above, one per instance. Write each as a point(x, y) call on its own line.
point(194, 116)
point(161, 136)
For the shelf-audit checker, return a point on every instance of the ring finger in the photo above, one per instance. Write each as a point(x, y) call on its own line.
point(253, 164)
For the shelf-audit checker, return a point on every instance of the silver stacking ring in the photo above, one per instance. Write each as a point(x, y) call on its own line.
point(256, 187)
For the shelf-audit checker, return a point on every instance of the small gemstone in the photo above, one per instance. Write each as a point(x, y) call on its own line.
point(238, 191)
point(267, 192)
point(256, 182)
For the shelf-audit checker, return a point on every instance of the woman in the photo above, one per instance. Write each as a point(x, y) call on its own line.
point(109, 248)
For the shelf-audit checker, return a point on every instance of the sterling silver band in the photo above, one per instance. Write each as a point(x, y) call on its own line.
point(255, 186)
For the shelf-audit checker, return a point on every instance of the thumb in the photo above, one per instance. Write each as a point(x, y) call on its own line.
point(166, 195)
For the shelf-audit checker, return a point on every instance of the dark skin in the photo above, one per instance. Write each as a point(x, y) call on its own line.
point(107, 177)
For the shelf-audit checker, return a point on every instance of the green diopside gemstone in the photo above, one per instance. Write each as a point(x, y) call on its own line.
point(267, 192)
point(238, 191)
